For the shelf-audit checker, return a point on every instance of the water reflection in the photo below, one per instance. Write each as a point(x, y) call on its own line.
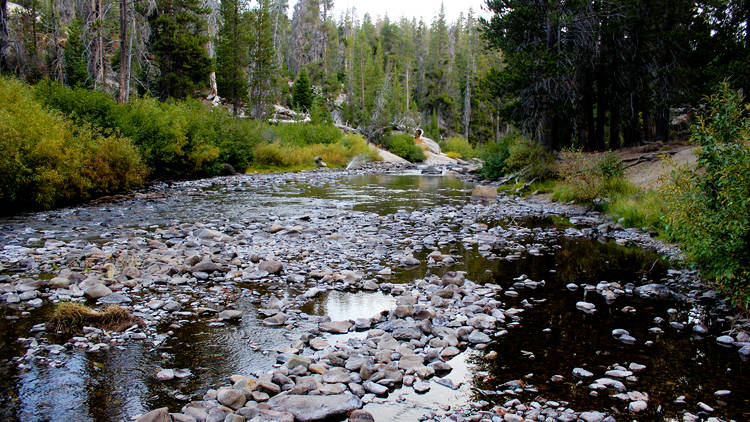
point(343, 306)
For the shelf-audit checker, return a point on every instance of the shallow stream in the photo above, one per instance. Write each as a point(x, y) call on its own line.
point(551, 337)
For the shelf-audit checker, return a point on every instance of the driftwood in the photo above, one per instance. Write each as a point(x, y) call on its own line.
point(506, 179)
point(632, 162)
point(526, 185)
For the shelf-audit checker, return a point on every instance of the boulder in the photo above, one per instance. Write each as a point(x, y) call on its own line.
point(410, 362)
point(295, 361)
point(335, 327)
point(231, 398)
point(315, 408)
point(454, 277)
point(230, 315)
point(97, 290)
point(271, 267)
point(361, 416)
point(205, 267)
point(653, 291)
point(275, 321)
point(336, 375)
point(59, 283)
point(158, 415)
point(586, 307)
point(484, 192)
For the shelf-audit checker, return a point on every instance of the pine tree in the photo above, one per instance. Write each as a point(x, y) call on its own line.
point(302, 95)
point(76, 64)
point(437, 98)
point(232, 53)
point(178, 45)
point(262, 78)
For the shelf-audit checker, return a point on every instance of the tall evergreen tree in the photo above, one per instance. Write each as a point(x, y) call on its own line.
point(262, 77)
point(232, 52)
point(437, 97)
point(178, 44)
point(76, 64)
point(302, 95)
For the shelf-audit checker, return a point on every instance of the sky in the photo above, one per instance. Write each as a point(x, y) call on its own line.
point(426, 9)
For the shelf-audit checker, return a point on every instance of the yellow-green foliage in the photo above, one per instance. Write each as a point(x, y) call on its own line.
point(47, 161)
point(177, 139)
point(279, 154)
point(452, 154)
point(459, 145)
point(588, 177)
point(69, 317)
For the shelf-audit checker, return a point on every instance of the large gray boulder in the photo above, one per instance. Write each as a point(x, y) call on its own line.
point(97, 290)
point(315, 408)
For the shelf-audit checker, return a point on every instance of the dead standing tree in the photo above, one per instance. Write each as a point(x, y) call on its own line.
point(212, 25)
point(126, 42)
point(95, 44)
point(4, 37)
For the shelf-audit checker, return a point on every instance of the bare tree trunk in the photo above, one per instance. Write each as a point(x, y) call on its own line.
point(58, 63)
point(407, 90)
point(125, 49)
point(276, 46)
point(4, 38)
point(34, 37)
point(96, 57)
point(100, 40)
point(467, 99)
point(212, 21)
point(362, 80)
point(130, 56)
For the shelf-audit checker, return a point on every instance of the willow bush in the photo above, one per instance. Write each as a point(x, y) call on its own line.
point(709, 206)
point(47, 160)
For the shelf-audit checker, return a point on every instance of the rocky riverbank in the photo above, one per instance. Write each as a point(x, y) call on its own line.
point(187, 252)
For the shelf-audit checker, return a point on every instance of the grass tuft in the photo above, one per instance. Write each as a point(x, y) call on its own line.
point(71, 317)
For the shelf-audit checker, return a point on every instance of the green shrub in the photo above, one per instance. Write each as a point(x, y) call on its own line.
point(48, 161)
point(176, 139)
point(529, 158)
point(709, 206)
point(302, 134)
point(458, 145)
point(495, 156)
point(93, 107)
point(277, 155)
point(405, 147)
point(590, 177)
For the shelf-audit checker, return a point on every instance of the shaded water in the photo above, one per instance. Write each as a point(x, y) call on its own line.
point(118, 383)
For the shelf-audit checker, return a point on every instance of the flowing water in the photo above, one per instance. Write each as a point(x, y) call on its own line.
point(551, 337)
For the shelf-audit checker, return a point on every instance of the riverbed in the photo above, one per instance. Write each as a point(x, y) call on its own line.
point(234, 275)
